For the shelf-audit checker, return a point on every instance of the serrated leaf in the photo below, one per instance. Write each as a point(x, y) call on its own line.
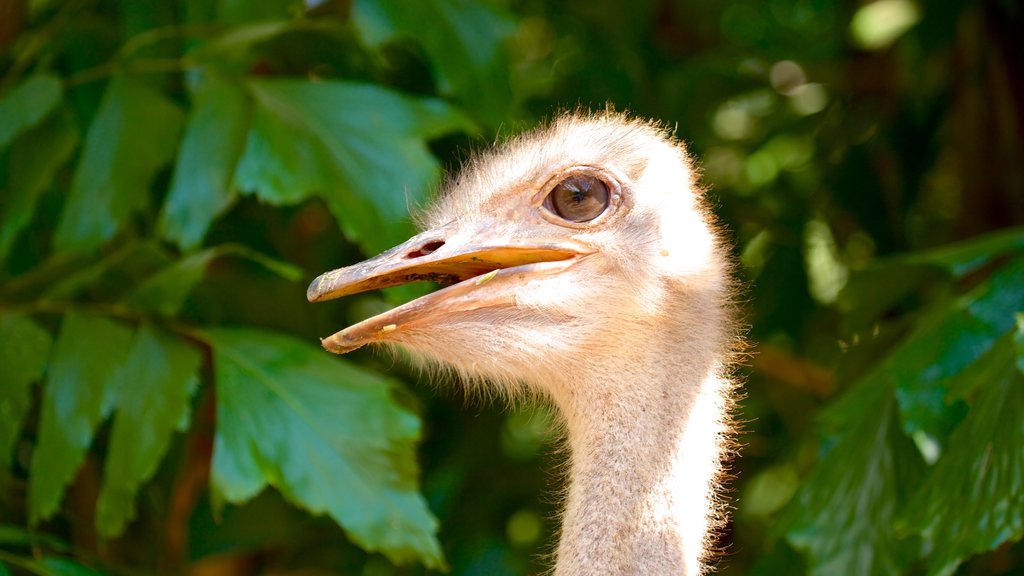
point(361, 147)
point(201, 188)
point(464, 41)
point(974, 499)
point(946, 343)
point(23, 355)
point(165, 291)
point(156, 383)
point(134, 134)
point(842, 517)
point(79, 393)
point(326, 434)
point(31, 173)
point(27, 104)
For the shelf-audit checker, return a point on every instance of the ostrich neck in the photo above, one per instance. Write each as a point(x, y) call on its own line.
point(645, 452)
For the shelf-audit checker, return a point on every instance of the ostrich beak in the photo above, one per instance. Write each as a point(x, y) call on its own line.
point(481, 272)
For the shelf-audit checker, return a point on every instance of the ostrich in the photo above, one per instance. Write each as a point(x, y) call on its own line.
point(582, 266)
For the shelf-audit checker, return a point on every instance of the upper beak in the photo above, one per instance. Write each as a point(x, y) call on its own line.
point(441, 256)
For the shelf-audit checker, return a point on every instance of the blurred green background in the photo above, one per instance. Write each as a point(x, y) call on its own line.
point(173, 173)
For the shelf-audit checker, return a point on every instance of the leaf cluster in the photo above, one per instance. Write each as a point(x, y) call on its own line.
point(172, 172)
point(134, 139)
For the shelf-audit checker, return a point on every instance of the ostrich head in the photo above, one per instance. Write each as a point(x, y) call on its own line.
point(582, 265)
point(568, 248)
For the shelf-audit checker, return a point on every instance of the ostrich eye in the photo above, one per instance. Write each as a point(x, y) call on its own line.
point(578, 198)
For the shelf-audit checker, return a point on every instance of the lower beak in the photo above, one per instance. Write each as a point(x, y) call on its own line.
point(483, 274)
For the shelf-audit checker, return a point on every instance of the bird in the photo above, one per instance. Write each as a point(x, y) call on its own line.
point(582, 266)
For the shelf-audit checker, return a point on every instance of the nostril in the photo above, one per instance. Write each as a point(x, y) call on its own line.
point(427, 248)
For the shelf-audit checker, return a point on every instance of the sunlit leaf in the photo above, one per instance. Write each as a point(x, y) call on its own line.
point(27, 104)
point(944, 344)
point(201, 187)
point(156, 383)
point(464, 41)
point(80, 391)
point(134, 134)
point(31, 173)
point(876, 25)
point(328, 435)
point(165, 291)
point(361, 147)
point(974, 499)
point(842, 517)
point(23, 355)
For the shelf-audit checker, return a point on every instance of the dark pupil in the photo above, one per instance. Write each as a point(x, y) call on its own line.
point(579, 198)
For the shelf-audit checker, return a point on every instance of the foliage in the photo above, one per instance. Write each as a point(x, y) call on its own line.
point(172, 172)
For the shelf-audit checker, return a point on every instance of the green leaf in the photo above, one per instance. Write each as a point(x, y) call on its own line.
point(80, 391)
point(842, 518)
point(326, 434)
point(46, 273)
point(31, 173)
point(201, 188)
point(871, 292)
point(464, 41)
point(27, 104)
point(156, 383)
point(236, 45)
point(874, 292)
point(46, 566)
point(974, 499)
point(965, 257)
point(946, 343)
point(134, 134)
point(165, 291)
point(13, 535)
point(109, 276)
point(361, 147)
point(23, 355)
point(284, 270)
point(3, 570)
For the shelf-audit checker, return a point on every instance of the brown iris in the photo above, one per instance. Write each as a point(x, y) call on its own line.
point(578, 198)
